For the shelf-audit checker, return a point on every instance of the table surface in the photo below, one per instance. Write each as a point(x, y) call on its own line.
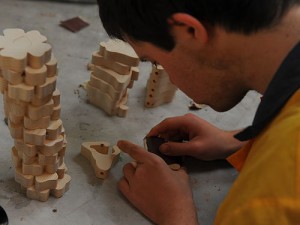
point(91, 200)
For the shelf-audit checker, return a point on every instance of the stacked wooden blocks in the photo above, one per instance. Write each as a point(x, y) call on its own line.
point(28, 74)
point(160, 90)
point(114, 70)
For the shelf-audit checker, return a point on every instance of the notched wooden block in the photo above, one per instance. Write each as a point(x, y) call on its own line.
point(46, 181)
point(100, 158)
point(62, 186)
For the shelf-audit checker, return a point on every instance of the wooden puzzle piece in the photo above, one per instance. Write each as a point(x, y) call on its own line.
point(99, 157)
point(54, 129)
point(105, 102)
point(37, 112)
point(40, 101)
point(51, 147)
point(46, 89)
point(25, 180)
point(52, 168)
point(63, 185)
point(34, 77)
point(105, 87)
point(35, 137)
point(27, 159)
point(52, 67)
point(56, 112)
point(16, 130)
point(17, 108)
point(19, 49)
point(29, 150)
point(119, 51)
point(56, 97)
point(45, 160)
point(99, 60)
point(118, 81)
point(61, 171)
point(41, 123)
point(3, 85)
point(46, 181)
point(21, 92)
point(33, 194)
point(17, 161)
point(13, 77)
point(34, 169)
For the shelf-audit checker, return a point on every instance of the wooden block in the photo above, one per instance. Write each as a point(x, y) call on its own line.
point(33, 194)
point(99, 60)
point(52, 168)
point(17, 108)
point(41, 101)
point(3, 85)
point(35, 137)
point(45, 160)
point(104, 101)
point(61, 171)
point(34, 169)
point(26, 181)
point(46, 89)
point(28, 160)
point(52, 147)
point(46, 181)
point(100, 159)
point(118, 81)
point(34, 77)
point(41, 123)
point(62, 186)
point(29, 150)
point(17, 161)
point(56, 97)
point(119, 51)
point(16, 130)
point(52, 67)
point(56, 112)
point(17, 120)
point(105, 87)
point(13, 59)
point(54, 129)
point(21, 92)
point(13, 77)
point(37, 112)
point(135, 72)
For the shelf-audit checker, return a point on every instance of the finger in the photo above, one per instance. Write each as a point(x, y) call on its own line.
point(123, 186)
point(128, 171)
point(166, 126)
point(135, 151)
point(179, 148)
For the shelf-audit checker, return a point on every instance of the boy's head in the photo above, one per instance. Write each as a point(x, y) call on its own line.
point(149, 20)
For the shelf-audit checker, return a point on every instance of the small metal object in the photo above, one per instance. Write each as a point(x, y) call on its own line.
point(3, 217)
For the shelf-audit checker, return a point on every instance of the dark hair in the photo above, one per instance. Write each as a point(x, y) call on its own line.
point(146, 20)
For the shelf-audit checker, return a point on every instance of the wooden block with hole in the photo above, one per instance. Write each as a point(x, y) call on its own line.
point(100, 158)
point(33, 194)
point(119, 51)
point(63, 185)
point(46, 181)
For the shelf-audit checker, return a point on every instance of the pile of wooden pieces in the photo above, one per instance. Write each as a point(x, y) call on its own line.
point(160, 90)
point(28, 74)
point(100, 157)
point(113, 70)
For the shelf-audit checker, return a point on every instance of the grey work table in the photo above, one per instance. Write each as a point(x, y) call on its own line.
point(91, 200)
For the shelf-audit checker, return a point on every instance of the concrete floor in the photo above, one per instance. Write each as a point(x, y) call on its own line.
point(91, 200)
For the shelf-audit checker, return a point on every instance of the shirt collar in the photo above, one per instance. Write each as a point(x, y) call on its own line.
point(285, 83)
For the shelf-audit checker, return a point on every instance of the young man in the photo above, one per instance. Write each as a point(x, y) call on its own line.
point(215, 51)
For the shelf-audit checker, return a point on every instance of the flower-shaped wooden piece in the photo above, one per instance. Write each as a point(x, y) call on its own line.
point(19, 49)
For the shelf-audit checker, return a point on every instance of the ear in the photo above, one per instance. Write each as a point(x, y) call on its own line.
point(187, 28)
